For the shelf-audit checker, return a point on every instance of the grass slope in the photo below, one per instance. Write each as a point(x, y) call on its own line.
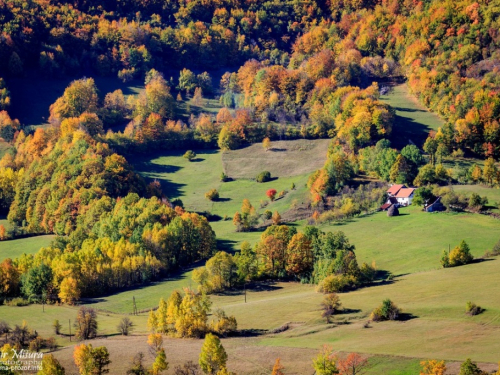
point(414, 241)
point(413, 121)
point(189, 181)
point(493, 195)
point(30, 245)
point(285, 158)
point(436, 299)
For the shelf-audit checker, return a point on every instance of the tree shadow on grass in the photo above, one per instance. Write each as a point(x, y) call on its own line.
point(346, 311)
point(406, 129)
point(481, 260)
point(222, 199)
point(197, 160)
point(148, 167)
point(226, 245)
point(250, 332)
point(404, 317)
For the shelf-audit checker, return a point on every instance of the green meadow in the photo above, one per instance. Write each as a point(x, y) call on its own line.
point(413, 121)
point(30, 245)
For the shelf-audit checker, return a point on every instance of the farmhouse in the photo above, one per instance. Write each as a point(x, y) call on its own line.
point(394, 189)
point(398, 195)
point(405, 196)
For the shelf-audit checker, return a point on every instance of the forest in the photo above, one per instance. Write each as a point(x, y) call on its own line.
point(223, 75)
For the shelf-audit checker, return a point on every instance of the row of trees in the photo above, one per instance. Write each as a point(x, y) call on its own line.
point(187, 316)
point(326, 259)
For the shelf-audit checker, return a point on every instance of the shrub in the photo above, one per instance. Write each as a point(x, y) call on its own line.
point(17, 302)
point(57, 327)
point(337, 283)
point(212, 195)
point(264, 176)
point(472, 309)
point(225, 325)
point(125, 326)
point(224, 177)
point(268, 215)
point(460, 255)
point(282, 193)
point(469, 368)
point(496, 249)
point(331, 305)
point(387, 311)
point(367, 273)
point(189, 155)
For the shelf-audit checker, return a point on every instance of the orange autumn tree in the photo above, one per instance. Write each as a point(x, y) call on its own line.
point(278, 368)
point(433, 367)
point(353, 364)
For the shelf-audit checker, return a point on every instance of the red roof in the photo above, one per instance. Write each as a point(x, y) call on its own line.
point(394, 189)
point(385, 206)
point(405, 192)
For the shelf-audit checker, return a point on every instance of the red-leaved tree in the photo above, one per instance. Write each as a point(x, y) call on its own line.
point(271, 193)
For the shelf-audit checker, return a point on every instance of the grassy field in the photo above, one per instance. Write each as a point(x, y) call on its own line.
point(413, 121)
point(435, 327)
point(30, 245)
point(414, 241)
point(493, 194)
point(285, 158)
point(189, 181)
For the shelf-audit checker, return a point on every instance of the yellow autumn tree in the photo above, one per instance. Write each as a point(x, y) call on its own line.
point(266, 143)
point(69, 291)
point(433, 367)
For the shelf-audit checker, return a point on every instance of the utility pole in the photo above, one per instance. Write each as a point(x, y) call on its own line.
point(245, 289)
point(69, 320)
point(135, 306)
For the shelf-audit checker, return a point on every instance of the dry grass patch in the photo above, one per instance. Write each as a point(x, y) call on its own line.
point(284, 159)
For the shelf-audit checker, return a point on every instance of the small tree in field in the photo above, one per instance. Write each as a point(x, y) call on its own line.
point(212, 195)
point(387, 311)
point(57, 327)
point(278, 368)
point(91, 360)
point(190, 155)
point(325, 362)
point(271, 194)
point(472, 309)
point(331, 305)
point(469, 368)
point(125, 326)
point(266, 143)
point(353, 364)
point(86, 323)
point(213, 357)
point(276, 218)
point(432, 367)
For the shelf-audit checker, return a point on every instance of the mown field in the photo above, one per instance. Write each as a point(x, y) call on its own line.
point(413, 121)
